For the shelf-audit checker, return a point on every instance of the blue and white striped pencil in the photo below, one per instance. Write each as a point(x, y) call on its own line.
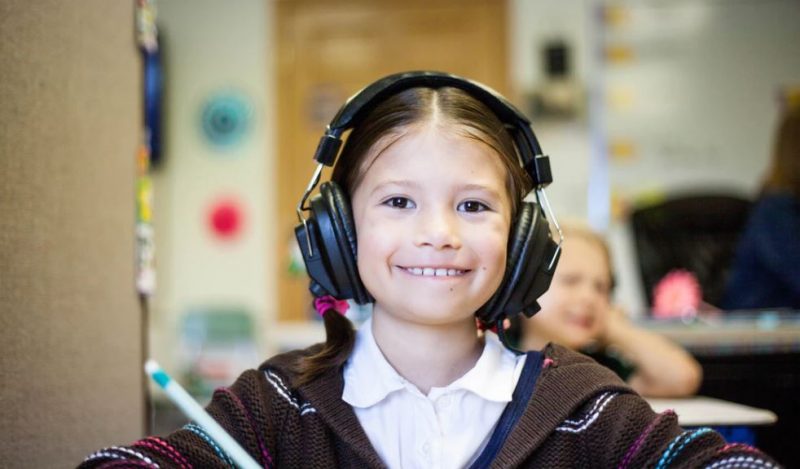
point(195, 412)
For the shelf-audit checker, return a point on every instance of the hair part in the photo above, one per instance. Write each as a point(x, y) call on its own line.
point(389, 121)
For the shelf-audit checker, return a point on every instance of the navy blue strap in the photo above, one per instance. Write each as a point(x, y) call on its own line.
point(513, 411)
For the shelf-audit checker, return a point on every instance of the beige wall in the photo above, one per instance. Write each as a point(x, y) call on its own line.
point(213, 48)
point(70, 324)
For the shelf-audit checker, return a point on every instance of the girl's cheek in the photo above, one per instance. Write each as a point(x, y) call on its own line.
point(496, 234)
point(544, 300)
point(554, 295)
point(547, 304)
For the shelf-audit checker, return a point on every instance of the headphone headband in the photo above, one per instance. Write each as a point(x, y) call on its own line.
point(355, 109)
point(360, 104)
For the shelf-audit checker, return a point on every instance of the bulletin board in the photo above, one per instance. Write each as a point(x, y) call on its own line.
point(685, 98)
point(690, 93)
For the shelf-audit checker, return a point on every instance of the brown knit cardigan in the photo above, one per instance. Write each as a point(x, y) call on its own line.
point(578, 415)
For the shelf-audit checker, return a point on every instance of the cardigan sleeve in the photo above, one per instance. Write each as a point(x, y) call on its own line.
point(628, 434)
point(251, 411)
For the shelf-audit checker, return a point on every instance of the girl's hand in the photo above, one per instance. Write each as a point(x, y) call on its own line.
point(663, 368)
point(614, 325)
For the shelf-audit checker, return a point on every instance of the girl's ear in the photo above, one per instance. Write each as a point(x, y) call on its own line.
point(328, 243)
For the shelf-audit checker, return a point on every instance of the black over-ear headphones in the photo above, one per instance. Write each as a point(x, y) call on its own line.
point(327, 238)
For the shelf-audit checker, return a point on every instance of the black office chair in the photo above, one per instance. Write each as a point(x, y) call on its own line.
point(697, 233)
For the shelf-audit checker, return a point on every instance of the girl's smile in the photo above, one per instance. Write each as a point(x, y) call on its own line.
point(435, 272)
point(582, 321)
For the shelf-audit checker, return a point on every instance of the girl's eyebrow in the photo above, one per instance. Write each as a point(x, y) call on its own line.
point(405, 183)
point(396, 182)
point(483, 188)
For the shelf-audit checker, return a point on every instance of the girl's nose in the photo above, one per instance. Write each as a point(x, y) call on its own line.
point(438, 229)
point(588, 294)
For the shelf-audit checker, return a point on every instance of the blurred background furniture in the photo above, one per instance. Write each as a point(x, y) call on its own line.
point(738, 423)
point(701, 411)
point(750, 358)
point(694, 232)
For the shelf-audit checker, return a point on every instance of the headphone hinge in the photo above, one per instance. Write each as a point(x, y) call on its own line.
point(327, 149)
point(539, 169)
point(301, 206)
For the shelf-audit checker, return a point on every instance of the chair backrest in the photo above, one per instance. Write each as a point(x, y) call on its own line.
point(697, 233)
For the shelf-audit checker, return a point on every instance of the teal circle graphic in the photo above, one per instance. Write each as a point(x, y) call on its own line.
point(226, 119)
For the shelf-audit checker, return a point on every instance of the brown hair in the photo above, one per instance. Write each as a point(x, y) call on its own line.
point(784, 174)
point(386, 123)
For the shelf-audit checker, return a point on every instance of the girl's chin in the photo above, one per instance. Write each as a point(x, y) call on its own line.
point(581, 345)
point(579, 340)
point(435, 315)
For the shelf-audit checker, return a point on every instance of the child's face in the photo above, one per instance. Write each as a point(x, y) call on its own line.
point(432, 216)
point(575, 307)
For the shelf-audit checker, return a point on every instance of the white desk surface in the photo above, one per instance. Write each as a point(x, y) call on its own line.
point(703, 411)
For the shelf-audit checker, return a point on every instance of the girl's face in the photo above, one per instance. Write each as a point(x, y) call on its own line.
point(575, 307)
point(432, 217)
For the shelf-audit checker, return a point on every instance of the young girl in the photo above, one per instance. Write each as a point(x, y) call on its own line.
point(577, 313)
point(433, 183)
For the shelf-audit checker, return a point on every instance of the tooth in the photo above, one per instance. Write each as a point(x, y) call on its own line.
point(452, 272)
point(416, 271)
point(441, 272)
point(428, 271)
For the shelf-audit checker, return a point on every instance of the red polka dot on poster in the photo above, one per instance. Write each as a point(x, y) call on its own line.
point(226, 218)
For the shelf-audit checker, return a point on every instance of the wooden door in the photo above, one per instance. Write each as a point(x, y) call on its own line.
point(327, 50)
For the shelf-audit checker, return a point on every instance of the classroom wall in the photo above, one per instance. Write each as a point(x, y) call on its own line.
point(532, 23)
point(694, 101)
point(70, 323)
point(213, 52)
point(690, 105)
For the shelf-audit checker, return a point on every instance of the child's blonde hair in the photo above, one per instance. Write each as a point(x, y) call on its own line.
point(577, 229)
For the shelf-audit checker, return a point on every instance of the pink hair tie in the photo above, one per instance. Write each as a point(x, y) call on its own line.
point(323, 304)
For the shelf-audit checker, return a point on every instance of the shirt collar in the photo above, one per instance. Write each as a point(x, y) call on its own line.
point(369, 378)
point(494, 375)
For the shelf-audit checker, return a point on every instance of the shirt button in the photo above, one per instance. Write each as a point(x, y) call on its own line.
point(444, 402)
point(426, 448)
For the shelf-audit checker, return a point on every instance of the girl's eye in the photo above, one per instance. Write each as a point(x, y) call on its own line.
point(399, 202)
point(602, 288)
point(472, 206)
point(569, 280)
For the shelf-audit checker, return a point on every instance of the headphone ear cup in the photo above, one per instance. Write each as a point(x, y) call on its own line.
point(341, 242)
point(528, 267)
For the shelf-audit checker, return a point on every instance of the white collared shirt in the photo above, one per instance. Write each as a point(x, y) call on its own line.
point(449, 427)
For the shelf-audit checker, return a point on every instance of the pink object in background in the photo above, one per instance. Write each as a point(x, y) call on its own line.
point(678, 294)
point(225, 218)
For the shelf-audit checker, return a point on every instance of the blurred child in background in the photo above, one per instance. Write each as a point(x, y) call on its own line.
point(577, 313)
